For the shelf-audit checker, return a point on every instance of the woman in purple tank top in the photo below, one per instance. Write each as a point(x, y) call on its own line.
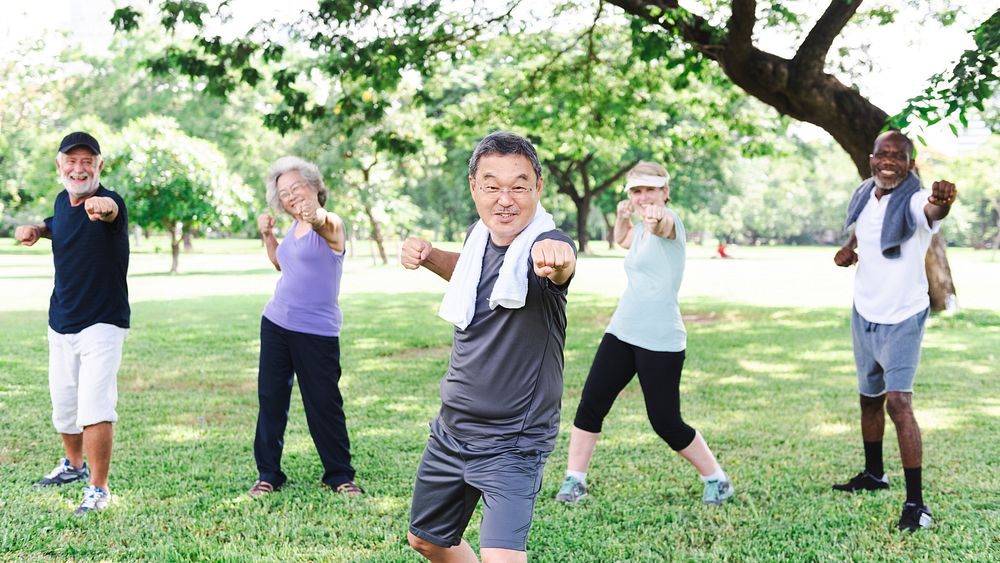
point(300, 329)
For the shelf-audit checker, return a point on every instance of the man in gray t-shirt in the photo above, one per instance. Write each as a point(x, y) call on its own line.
point(500, 398)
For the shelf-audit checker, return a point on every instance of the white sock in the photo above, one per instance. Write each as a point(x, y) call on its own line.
point(719, 475)
point(580, 476)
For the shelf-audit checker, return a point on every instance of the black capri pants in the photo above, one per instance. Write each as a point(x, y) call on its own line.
point(615, 364)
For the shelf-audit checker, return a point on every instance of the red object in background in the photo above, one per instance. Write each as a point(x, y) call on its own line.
point(722, 251)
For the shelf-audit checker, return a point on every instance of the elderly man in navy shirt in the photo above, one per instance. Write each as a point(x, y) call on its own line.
point(88, 315)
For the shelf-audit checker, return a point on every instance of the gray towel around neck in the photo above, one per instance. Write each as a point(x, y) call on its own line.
point(898, 225)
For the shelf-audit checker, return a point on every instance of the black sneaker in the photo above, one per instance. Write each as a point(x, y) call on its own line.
point(863, 481)
point(914, 518)
point(64, 473)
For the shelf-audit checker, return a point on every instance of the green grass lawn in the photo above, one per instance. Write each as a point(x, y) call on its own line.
point(772, 389)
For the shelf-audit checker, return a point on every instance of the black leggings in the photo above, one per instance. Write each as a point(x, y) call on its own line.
point(615, 364)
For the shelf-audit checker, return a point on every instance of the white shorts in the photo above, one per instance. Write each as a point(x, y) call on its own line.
point(83, 376)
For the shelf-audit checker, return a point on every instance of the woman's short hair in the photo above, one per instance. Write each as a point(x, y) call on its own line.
point(309, 172)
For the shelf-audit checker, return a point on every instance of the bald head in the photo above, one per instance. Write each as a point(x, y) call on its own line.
point(896, 135)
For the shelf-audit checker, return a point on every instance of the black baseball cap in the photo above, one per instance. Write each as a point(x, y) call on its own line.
point(79, 139)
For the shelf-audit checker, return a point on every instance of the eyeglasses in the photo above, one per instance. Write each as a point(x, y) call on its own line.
point(287, 192)
point(516, 191)
point(897, 156)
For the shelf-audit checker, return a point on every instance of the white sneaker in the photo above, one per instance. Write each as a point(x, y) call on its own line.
point(94, 499)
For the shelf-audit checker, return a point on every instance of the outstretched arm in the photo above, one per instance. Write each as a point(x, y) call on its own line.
point(553, 259)
point(943, 194)
point(326, 224)
point(417, 252)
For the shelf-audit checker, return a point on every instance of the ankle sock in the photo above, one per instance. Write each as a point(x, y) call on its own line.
point(719, 475)
point(580, 476)
point(873, 458)
point(914, 486)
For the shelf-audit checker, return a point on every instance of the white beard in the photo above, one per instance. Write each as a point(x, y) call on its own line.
point(86, 188)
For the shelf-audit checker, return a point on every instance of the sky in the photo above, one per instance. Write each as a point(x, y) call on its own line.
point(905, 54)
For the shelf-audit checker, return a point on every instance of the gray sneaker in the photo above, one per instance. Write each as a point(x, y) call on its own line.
point(717, 491)
point(572, 490)
point(94, 499)
point(64, 473)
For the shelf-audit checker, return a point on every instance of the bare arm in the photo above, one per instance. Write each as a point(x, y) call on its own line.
point(943, 194)
point(326, 224)
point(659, 222)
point(623, 224)
point(418, 252)
point(266, 225)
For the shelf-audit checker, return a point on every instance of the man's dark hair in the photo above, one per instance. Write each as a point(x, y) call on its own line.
point(504, 142)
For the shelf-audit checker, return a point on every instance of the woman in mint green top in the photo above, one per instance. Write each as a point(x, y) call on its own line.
point(646, 336)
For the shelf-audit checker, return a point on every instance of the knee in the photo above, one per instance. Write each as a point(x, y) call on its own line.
point(421, 546)
point(899, 405)
point(675, 432)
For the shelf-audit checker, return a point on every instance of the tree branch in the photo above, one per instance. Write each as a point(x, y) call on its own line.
point(811, 55)
point(615, 177)
point(692, 28)
point(741, 23)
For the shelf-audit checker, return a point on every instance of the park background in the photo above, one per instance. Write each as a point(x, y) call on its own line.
point(769, 378)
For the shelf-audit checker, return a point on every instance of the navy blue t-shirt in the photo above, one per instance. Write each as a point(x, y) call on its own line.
point(91, 261)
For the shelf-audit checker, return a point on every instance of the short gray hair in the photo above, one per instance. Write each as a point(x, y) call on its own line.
point(309, 172)
point(505, 142)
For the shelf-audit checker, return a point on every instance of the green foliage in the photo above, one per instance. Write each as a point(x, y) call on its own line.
point(168, 177)
point(969, 86)
point(975, 217)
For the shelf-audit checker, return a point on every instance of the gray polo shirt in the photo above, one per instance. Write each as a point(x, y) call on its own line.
point(504, 382)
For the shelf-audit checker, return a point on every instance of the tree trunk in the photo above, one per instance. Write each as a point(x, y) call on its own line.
point(939, 282)
point(582, 214)
point(175, 245)
point(611, 230)
point(188, 238)
point(376, 233)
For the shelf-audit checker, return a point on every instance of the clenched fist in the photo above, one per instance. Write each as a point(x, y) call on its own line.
point(27, 234)
point(845, 257)
point(100, 208)
point(414, 252)
point(943, 193)
point(553, 259)
point(625, 210)
point(652, 215)
point(310, 212)
point(265, 224)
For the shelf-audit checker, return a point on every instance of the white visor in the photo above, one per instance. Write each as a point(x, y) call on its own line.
point(651, 181)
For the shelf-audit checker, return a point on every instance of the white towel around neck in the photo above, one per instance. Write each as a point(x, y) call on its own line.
point(511, 289)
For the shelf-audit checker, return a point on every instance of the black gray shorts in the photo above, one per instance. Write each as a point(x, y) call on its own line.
point(453, 476)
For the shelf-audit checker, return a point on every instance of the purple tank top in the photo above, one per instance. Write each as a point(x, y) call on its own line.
point(305, 299)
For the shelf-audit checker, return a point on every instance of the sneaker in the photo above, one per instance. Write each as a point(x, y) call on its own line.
point(717, 491)
point(350, 489)
point(260, 488)
point(572, 490)
point(914, 517)
point(864, 481)
point(94, 499)
point(64, 473)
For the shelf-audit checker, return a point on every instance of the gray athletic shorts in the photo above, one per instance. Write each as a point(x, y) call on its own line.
point(453, 476)
point(887, 355)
